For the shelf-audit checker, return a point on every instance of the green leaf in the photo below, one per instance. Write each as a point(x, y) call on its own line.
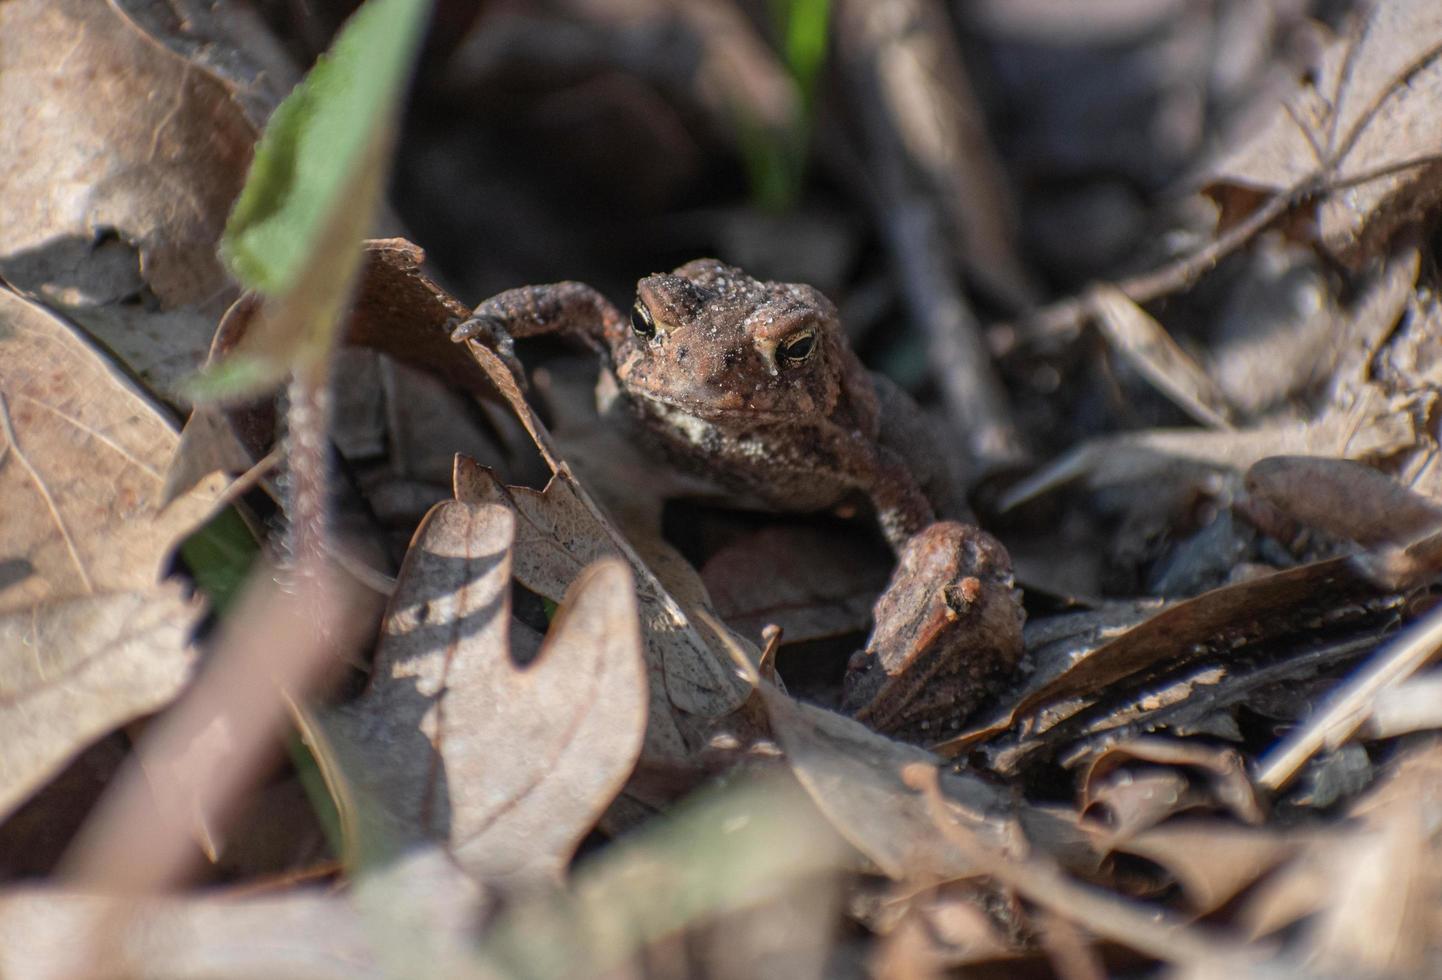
point(318, 174)
point(237, 376)
point(775, 158)
point(804, 28)
point(317, 140)
point(220, 555)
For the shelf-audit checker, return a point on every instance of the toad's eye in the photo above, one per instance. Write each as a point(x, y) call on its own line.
point(796, 348)
point(641, 321)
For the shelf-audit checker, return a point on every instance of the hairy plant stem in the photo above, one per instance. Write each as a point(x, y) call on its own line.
point(307, 485)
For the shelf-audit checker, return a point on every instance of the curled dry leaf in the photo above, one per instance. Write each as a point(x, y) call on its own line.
point(1364, 122)
point(1134, 800)
point(1042, 882)
point(81, 468)
point(1223, 767)
point(74, 670)
point(1212, 861)
point(950, 928)
point(397, 310)
point(104, 131)
point(510, 764)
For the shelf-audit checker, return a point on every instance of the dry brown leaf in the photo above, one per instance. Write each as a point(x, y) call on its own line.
point(1362, 114)
point(558, 533)
point(1042, 882)
point(1381, 889)
point(283, 637)
point(1344, 498)
point(228, 40)
point(510, 764)
point(1147, 346)
point(74, 670)
point(81, 468)
point(104, 131)
point(811, 583)
point(155, 199)
point(163, 348)
point(854, 776)
point(1255, 607)
point(400, 311)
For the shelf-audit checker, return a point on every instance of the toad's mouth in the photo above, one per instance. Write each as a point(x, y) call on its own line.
point(680, 411)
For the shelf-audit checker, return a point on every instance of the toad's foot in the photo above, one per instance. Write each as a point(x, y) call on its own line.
point(948, 630)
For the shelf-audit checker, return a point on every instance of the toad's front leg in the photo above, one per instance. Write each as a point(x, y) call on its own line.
point(902, 509)
point(566, 308)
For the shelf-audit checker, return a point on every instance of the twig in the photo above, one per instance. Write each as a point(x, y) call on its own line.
point(1062, 320)
point(909, 216)
point(1352, 705)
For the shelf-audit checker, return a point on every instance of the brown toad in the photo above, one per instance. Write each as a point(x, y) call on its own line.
point(751, 384)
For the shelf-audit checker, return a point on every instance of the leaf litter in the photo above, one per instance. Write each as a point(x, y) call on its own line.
point(1217, 755)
